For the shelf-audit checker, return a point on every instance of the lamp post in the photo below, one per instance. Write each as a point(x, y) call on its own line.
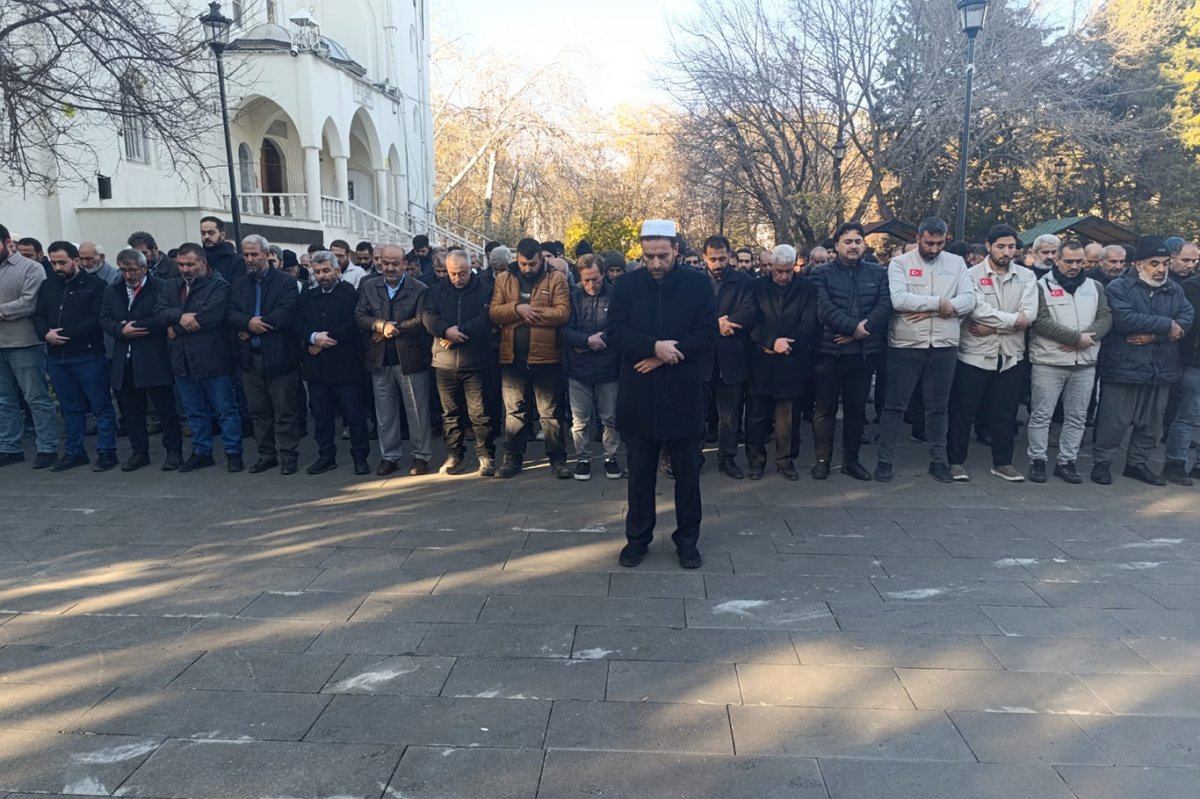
point(216, 32)
point(1060, 171)
point(839, 155)
point(972, 13)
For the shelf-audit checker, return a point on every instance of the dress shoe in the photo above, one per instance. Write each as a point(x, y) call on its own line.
point(689, 557)
point(172, 462)
point(385, 468)
point(105, 460)
point(787, 471)
point(856, 470)
point(196, 462)
point(322, 465)
point(755, 473)
point(1176, 472)
point(234, 463)
point(631, 555)
point(1067, 473)
point(137, 460)
point(289, 466)
point(419, 467)
point(69, 462)
point(1143, 473)
point(8, 458)
point(941, 472)
point(883, 472)
point(262, 464)
point(730, 469)
point(1101, 474)
point(820, 470)
point(511, 467)
point(361, 466)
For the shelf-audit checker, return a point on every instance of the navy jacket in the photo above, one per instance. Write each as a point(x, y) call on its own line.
point(334, 314)
point(207, 352)
point(280, 353)
point(73, 305)
point(1189, 348)
point(667, 403)
point(1139, 308)
point(784, 313)
point(148, 357)
point(845, 296)
point(589, 315)
point(735, 299)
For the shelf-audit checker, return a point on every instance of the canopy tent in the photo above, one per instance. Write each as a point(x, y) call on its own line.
point(896, 228)
point(1096, 228)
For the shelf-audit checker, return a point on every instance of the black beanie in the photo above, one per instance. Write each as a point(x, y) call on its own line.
point(1151, 247)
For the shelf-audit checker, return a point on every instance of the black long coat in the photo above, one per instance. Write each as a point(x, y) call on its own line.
point(280, 352)
point(784, 313)
point(667, 403)
point(150, 358)
point(205, 353)
point(332, 313)
point(735, 299)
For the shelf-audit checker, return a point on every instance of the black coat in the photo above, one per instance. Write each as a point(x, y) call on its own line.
point(207, 352)
point(279, 349)
point(468, 309)
point(164, 268)
point(846, 295)
point(148, 356)
point(73, 305)
point(1138, 308)
point(790, 313)
point(225, 261)
point(667, 403)
point(589, 315)
point(374, 308)
point(735, 299)
point(1189, 348)
point(332, 313)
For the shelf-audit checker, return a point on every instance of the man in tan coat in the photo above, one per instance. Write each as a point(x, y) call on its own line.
point(531, 302)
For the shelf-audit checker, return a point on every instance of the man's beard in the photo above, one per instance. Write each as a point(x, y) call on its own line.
point(1151, 281)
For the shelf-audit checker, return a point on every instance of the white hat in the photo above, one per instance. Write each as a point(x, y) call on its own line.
point(658, 229)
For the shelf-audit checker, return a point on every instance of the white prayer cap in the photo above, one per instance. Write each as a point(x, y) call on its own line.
point(658, 229)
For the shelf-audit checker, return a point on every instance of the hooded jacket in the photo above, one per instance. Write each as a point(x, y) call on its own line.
point(551, 294)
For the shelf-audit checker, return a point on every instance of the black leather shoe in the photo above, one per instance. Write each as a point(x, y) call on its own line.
point(755, 473)
point(322, 465)
point(172, 462)
point(105, 461)
point(1143, 473)
point(787, 471)
point(820, 470)
point(856, 470)
point(1067, 473)
point(940, 472)
point(137, 460)
point(510, 467)
point(689, 558)
point(262, 464)
point(361, 466)
point(196, 462)
point(9, 458)
point(883, 473)
point(631, 555)
point(288, 467)
point(730, 469)
point(234, 463)
point(1176, 472)
point(69, 462)
point(1101, 474)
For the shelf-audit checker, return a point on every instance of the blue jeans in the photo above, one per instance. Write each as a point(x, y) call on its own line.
point(23, 374)
point(215, 392)
point(81, 381)
point(1187, 419)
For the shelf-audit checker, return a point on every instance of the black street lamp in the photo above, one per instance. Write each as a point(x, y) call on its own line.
point(1060, 171)
point(839, 155)
point(973, 13)
point(216, 32)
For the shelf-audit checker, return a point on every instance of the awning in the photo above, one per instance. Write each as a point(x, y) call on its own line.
point(896, 228)
point(1096, 228)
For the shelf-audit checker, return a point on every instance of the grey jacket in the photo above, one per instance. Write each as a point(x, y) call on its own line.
point(20, 279)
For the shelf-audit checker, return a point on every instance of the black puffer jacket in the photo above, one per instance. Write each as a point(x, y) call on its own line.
point(846, 295)
point(74, 305)
point(589, 315)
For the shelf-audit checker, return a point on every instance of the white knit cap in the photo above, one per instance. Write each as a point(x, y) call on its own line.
point(658, 228)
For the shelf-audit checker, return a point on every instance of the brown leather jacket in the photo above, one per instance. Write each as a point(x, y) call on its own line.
point(550, 293)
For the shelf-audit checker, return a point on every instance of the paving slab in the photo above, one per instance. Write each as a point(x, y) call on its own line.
point(1145, 741)
point(1147, 694)
point(309, 605)
point(1171, 656)
point(433, 721)
point(1160, 623)
point(526, 678)
point(67, 666)
point(1092, 595)
point(685, 683)
point(639, 727)
point(46, 762)
point(454, 773)
point(273, 635)
point(970, 592)
point(460, 608)
point(849, 779)
point(1028, 738)
point(377, 579)
point(894, 649)
point(934, 618)
point(1057, 622)
point(822, 686)
point(253, 670)
point(1067, 655)
point(49, 708)
point(403, 675)
point(801, 588)
point(1172, 597)
point(815, 565)
point(692, 644)
point(253, 769)
point(524, 583)
point(369, 638)
point(613, 611)
point(634, 584)
point(107, 632)
point(498, 640)
point(1095, 782)
point(633, 775)
point(1000, 692)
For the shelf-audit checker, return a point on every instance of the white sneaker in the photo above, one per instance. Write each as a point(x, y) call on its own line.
point(1008, 473)
point(959, 474)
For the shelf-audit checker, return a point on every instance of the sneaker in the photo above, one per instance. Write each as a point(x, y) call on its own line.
point(1101, 474)
point(958, 473)
point(510, 467)
point(69, 462)
point(583, 470)
point(631, 555)
point(820, 470)
point(1143, 473)
point(689, 558)
point(195, 462)
point(43, 460)
point(1037, 471)
point(1008, 472)
point(883, 472)
point(612, 469)
point(1067, 473)
point(943, 473)
point(487, 468)
point(105, 460)
point(561, 470)
point(1176, 472)
point(453, 465)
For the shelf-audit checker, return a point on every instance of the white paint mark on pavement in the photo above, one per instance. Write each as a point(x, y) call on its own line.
point(740, 607)
point(593, 654)
point(88, 785)
point(116, 754)
point(1007, 562)
point(370, 680)
point(915, 593)
point(1009, 709)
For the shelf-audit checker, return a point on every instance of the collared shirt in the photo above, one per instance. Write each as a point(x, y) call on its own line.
point(132, 293)
point(392, 292)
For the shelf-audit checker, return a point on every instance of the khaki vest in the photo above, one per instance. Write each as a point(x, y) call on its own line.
point(1076, 311)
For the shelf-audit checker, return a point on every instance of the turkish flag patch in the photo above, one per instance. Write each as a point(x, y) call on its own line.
point(985, 281)
point(916, 272)
point(1056, 292)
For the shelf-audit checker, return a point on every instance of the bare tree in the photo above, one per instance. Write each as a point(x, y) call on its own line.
point(70, 68)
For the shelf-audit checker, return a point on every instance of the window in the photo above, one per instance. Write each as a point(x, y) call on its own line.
point(238, 10)
point(133, 128)
point(270, 10)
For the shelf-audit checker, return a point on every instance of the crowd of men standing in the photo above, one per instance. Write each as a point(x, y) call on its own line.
point(376, 342)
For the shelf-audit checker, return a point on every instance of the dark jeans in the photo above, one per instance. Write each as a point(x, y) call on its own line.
point(329, 398)
point(729, 400)
point(218, 393)
point(1002, 392)
point(764, 410)
point(848, 380)
point(81, 381)
point(643, 474)
point(136, 402)
point(272, 402)
point(522, 385)
point(933, 369)
point(464, 400)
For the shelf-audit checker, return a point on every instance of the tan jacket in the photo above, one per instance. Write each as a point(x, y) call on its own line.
point(551, 293)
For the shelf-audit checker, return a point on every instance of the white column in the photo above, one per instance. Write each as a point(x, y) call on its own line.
point(341, 178)
point(312, 181)
point(381, 193)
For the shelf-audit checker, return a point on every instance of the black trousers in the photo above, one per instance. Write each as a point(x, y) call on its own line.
point(328, 399)
point(463, 398)
point(643, 475)
point(272, 401)
point(136, 402)
point(784, 413)
point(845, 381)
point(1000, 393)
point(522, 385)
point(729, 400)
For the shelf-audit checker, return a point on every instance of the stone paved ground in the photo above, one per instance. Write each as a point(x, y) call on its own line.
point(168, 635)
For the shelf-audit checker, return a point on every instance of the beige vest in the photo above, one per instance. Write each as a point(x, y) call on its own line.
point(1076, 311)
